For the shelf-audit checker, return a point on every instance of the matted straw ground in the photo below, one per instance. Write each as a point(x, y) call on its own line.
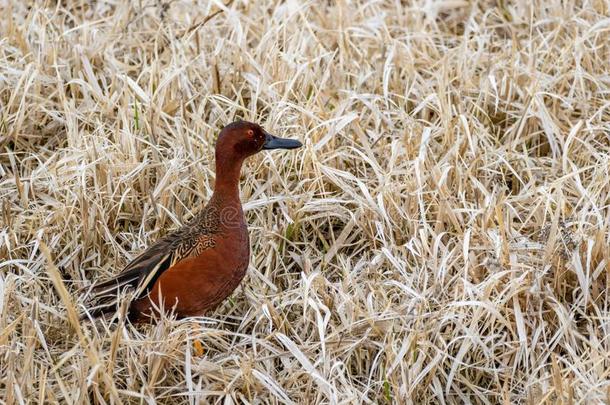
point(442, 237)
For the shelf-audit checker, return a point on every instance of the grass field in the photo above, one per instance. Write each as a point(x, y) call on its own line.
point(442, 236)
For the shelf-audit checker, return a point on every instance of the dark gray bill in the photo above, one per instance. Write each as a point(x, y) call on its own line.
point(273, 142)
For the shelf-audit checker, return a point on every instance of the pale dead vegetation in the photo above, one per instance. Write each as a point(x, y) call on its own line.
point(442, 236)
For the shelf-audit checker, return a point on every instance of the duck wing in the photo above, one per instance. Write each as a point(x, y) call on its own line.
point(141, 273)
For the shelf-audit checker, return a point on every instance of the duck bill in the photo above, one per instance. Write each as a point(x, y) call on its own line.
point(273, 142)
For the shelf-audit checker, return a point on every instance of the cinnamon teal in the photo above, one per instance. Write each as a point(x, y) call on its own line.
point(194, 268)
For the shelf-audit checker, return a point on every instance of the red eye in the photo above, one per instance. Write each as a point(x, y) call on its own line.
point(250, 133)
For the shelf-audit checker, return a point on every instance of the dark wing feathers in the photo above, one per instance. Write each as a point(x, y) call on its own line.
point(141, 274)
point(159, 253)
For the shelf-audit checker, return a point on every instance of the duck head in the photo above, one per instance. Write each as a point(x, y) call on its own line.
point(239, 140)
point(242, 139)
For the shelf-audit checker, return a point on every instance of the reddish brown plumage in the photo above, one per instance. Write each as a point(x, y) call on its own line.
point(194, 268)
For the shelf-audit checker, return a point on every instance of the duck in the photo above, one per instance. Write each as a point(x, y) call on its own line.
point(193, 269)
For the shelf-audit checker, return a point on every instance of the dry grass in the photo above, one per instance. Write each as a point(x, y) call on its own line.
point(443, 236)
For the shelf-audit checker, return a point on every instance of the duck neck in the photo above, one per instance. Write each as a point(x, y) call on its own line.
point(226, 185)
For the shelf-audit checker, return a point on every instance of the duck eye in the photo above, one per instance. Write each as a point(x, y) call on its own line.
point(250, 133)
